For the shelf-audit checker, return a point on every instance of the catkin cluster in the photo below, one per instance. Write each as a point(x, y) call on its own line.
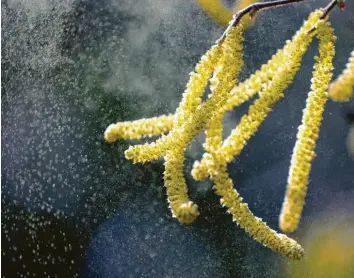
point(270, 82)
point(220, 67)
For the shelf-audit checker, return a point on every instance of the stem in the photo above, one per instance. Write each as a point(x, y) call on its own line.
point(253, 8)
point(260, 6)
point(329, 7)
point(256, 7)
point(326, 11)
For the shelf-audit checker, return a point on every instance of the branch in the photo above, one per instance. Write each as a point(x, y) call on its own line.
point(327, 9)
point(253, 9)
point(331, 5)
point(256, 7)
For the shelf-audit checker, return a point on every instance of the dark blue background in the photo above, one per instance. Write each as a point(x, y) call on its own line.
point(72, 206)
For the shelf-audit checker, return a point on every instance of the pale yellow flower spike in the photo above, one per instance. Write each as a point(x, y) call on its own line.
point(196, 85)
point(286, 62)
point(341, 89)
point(224, 78)
point(227, 71)
point(177, 193)
point(213, 132)
point(304, 151)
point(139, 128)
point(246, 220)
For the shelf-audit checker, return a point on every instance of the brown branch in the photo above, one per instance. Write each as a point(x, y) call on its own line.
point(330, 6)
point(253, 9)
point(256, 7)
point(327, 9)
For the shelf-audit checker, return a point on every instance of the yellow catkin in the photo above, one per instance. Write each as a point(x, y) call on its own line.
point(195, 88)
point(253, 225)
point(177, 193)
point(224, 78)
point(341, 89)
point(304, 150)
point(139, 128)
point(288, 63)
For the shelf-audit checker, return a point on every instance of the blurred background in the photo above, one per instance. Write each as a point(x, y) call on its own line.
point(73, 206)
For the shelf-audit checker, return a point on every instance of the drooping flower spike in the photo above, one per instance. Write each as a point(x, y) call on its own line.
point(226, 71)
point(139, 128)
point(304, 151)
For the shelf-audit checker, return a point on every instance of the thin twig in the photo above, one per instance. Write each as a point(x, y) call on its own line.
point(330, 6)
point(256, 7)
point(326, 11)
